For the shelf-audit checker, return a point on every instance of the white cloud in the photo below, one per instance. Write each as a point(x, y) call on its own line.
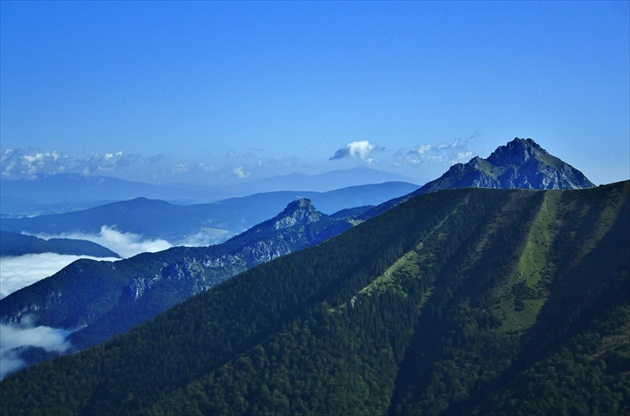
point(442, 153)
point(125, 244)
point(108, 162)
point(205, 238)
point(28, 163)
point(253, 162)
point(240, 172)
point(180, 168)
point(31, 162)
point(14, 337)
point(206, 168)
point(421, 150)
point(464, 156)
point(17, 272)
point(361, 150)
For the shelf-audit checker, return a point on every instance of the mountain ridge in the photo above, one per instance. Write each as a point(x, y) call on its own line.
point(105, 298)
point(49, 194)
point(209, 223)
point(459, 301)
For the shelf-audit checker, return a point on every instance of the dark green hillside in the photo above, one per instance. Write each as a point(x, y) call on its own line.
point(469, 301)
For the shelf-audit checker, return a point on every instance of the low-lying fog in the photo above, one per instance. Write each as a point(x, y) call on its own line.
point(21, 271)
point(17, 272)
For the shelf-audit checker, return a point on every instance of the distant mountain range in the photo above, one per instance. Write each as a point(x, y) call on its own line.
point(461, 301)
point(51, 194)
point(324, 182)
point(200, 223)
point(521, 163)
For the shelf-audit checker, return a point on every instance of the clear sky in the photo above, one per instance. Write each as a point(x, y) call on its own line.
point(224, 91)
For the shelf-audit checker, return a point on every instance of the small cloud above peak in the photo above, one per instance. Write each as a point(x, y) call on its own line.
point(361, 150)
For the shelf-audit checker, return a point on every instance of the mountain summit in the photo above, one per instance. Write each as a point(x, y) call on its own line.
point(520, 164)
point(301, 210)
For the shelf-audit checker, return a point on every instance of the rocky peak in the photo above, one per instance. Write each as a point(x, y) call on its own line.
point(516, 152)
point(298, 211)
point(520, 164)
point(476, 162)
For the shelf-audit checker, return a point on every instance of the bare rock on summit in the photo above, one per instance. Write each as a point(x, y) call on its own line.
point(520, 164)
point(299, 211)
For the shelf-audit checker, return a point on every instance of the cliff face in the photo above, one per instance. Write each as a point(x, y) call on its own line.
point(300, 211)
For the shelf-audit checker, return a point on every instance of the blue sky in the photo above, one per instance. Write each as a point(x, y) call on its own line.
point(217, 92)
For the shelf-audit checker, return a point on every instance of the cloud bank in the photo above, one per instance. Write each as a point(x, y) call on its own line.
point(13, 338)
point(17, 272)
point(20, 271)
point(29, 163)
point(108, 162)
point(125, 244)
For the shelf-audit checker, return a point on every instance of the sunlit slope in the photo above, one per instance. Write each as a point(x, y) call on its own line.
point(459, 301)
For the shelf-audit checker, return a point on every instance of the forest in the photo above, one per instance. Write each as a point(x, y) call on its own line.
point(466, 301)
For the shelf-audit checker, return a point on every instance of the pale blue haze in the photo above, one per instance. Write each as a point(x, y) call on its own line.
point(217, 92)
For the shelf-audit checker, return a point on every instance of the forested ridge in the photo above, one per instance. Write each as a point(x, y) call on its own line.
point(103, 299)
point(469, 301)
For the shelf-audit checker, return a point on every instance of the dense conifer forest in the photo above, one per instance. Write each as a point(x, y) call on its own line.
point(468, 301)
